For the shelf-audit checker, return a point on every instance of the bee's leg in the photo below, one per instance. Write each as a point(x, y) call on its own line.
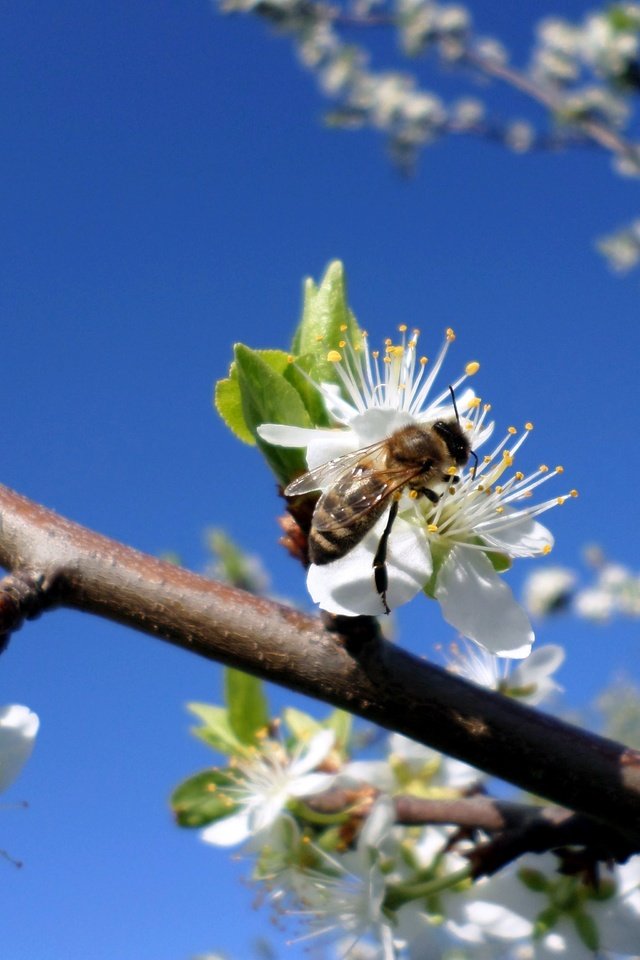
point(380, 575)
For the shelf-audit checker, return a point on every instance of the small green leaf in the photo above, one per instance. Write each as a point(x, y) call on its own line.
point(533, 880)
point(310, 395)
point(302, 725)
point(439, 554)
point(587, 930)
point(340, 722)
point(267, 397)
point(216, 730)
point(499, 561)
point(326, 320)
point(247, 705)
point(202, 799)
point(228, 397)
point(545, 921)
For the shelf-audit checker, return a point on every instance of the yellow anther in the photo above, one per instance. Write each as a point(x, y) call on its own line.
point(573, 493)
point(333, 356)
point(386, 359)
point(452, 471)
point(546, 550)
point(528, 425)
point(480, 487)
point(411, 345)
point(413, 494)
point(499, 489)
point(507, 459)
point(342, 344)
point(474, 403)
point(416, 332)
point(472, 368)
point(319, 338)
point(519, 475)
point(487, 407)
point(211, 787)
point(343, 327)
point(364, 334)
point(450, 335)
point(424, 360)
point(511, 430)
point(452, 490)
point(560, 501)
point(402, 328)
point(388, 342)
point(499, 509)
point(486, 459)
point(559, 470)
point(543, 468)
point(432, 528)
point(375, 354)
point(289, 359)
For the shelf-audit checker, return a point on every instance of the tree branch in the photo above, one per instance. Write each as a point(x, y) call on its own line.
point(350, 666)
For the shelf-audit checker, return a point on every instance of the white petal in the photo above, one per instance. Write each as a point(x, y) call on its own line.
point(335, 404)
point(518, 538)
point(311, 783)
point(539, 665)
point(347, 585)
point(314, 753)
point(378, 423)
point(229, 831)
point(479, 604)
point(329, 444)
point(280, 435)
point(18, 728)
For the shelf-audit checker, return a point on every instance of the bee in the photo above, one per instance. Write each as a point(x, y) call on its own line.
point(360, 486)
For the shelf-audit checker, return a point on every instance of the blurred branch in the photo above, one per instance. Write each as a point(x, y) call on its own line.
point(347, 664)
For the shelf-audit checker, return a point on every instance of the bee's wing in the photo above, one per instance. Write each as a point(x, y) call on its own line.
point(363, 491)
point(330, 473)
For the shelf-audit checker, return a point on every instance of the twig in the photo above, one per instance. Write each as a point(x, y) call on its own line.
point(364, 674)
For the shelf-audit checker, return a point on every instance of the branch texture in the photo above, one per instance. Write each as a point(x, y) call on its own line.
point(356, 670)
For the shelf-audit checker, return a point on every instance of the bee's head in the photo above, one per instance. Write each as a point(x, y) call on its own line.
point(456, 442)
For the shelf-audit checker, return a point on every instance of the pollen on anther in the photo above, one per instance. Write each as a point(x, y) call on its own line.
point(289, 359)
point(413, 494)
point(319, 338)
point(450, 335)
point(487, 459)
point(573, 493)
point(472, 368)
point(343, 327)
point(334, 356)
point(519, 475)
point(388, 342)
point(543, 468)
point(507, 458)
point(559, 470)
point(528, 425)
point(499, 509)
point(342, 344)
point(452, 471)
point(474, 402)
point(423, 361)
point(432, 528)
point(375, 354)
point(402, 328)
point(511, 430)
point(546, 550)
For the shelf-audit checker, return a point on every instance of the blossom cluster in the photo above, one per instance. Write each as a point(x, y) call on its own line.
point(353, 879)
point(584, 73)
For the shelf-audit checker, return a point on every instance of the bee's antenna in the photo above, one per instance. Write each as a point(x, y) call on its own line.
point(472, 453)
point(453, 401)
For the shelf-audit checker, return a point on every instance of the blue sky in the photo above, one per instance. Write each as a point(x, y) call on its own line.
point(166, 186)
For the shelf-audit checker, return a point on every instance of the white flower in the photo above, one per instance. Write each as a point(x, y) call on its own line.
point(531, 681)
point(448, 547)
point(266, 783)
point(548, 590)
point(18, 728)
point(345, 903)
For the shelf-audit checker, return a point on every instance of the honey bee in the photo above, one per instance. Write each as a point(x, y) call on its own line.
point(360, 485)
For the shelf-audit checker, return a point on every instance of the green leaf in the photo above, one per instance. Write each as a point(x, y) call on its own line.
point(216, 730)
point(587, 930)
point(340, 722)
point(533, 880)
point(267, 397)
point(310, 395)
point(302, 725)
point(202, 799)
point(326, 320)
point(247, 705)
point(228, 398)
point(499, 561)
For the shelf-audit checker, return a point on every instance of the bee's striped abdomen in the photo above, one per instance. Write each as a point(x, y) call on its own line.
point(344, 514)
